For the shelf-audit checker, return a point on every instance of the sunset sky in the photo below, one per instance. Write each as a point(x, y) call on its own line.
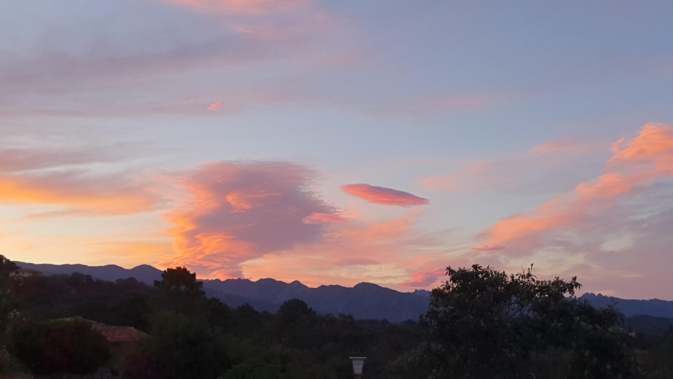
point(336, 142)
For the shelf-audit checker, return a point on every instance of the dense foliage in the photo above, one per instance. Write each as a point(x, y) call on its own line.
point(484, 323)
point(480, 323)
point(59, 347)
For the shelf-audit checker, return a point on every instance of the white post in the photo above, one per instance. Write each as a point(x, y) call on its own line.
point(358, 365)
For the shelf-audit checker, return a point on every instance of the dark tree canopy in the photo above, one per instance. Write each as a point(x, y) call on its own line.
point(484, 323)
point(7, 266)
point(179, 281)
point(59, 347)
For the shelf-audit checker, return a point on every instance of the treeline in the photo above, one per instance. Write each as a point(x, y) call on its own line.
point(480, 323)
point(192, 336)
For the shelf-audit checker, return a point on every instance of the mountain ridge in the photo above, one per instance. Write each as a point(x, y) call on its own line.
point(363, 301)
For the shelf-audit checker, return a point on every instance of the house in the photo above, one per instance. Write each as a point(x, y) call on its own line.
point(24, 273)
point(121, 340)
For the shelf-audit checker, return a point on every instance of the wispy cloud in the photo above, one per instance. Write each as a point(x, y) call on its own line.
point(636, 165)
point(216, 106)
point(59, 177)
point(424, 278)
point(241, 7)
point(324, 218)
point(383, 195)
point(568, 145)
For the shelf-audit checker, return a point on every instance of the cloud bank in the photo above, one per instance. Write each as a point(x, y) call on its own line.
point(54, 178)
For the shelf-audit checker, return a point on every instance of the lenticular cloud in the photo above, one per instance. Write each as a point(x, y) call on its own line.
point(383, 195)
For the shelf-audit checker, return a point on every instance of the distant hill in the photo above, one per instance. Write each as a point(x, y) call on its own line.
point(653, 307)
point(143, 273)
point(364, 301)
point(654, 326)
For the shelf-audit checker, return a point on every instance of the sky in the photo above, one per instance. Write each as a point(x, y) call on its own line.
point(339, 142)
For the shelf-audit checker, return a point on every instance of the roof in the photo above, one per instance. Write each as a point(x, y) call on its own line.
point(115, 334)
point(120, 333)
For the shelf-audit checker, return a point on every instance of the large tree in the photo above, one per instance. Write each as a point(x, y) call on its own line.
point(179, 280)
point(484, 323)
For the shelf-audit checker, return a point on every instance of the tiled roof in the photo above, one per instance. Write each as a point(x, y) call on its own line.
point(112, 333)
point(120, 333)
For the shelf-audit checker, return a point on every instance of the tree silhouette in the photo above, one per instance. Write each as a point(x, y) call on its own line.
point(484, 323)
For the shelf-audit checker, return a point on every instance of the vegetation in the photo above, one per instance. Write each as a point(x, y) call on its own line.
point(480, 323)
point(59, 347)
point(485, 324)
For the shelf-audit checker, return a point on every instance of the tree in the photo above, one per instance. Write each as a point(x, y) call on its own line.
point(485, 323)
point(6, 295)
point(179, 281)
point(182, 293)
point(6, 266)
point(185, 347)
point(59, 347)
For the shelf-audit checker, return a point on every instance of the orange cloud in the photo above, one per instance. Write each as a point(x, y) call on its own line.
point(46, 177)
point(216, 106)
point(98, 195)
point(637, 164)
point(380, 252)
point(653, 147)
point(383, 195)
point(241, 211)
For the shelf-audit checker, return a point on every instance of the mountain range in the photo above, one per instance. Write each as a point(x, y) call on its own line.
point(363, 301)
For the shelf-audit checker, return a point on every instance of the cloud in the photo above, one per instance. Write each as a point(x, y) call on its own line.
point(241, 211)
point(15, 159)
point(324, 218)
point(568, 145)
point(548, 167)
point(142, 69)
point(383, 195)
point(53, 177)
point(241, 7)
point(423, 279)
point(643, 164)
point(488, 248)
point(111, 194)
point(216, 106)
point(382, 252)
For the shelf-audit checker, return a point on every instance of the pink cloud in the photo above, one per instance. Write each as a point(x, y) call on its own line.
point(383, 195)
point(635, 166)
point(381, 252)
point(424, 279)
point(324, 218)
point(241, 211)
point(488, 248)
point(216, 106)
point(241, 7)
